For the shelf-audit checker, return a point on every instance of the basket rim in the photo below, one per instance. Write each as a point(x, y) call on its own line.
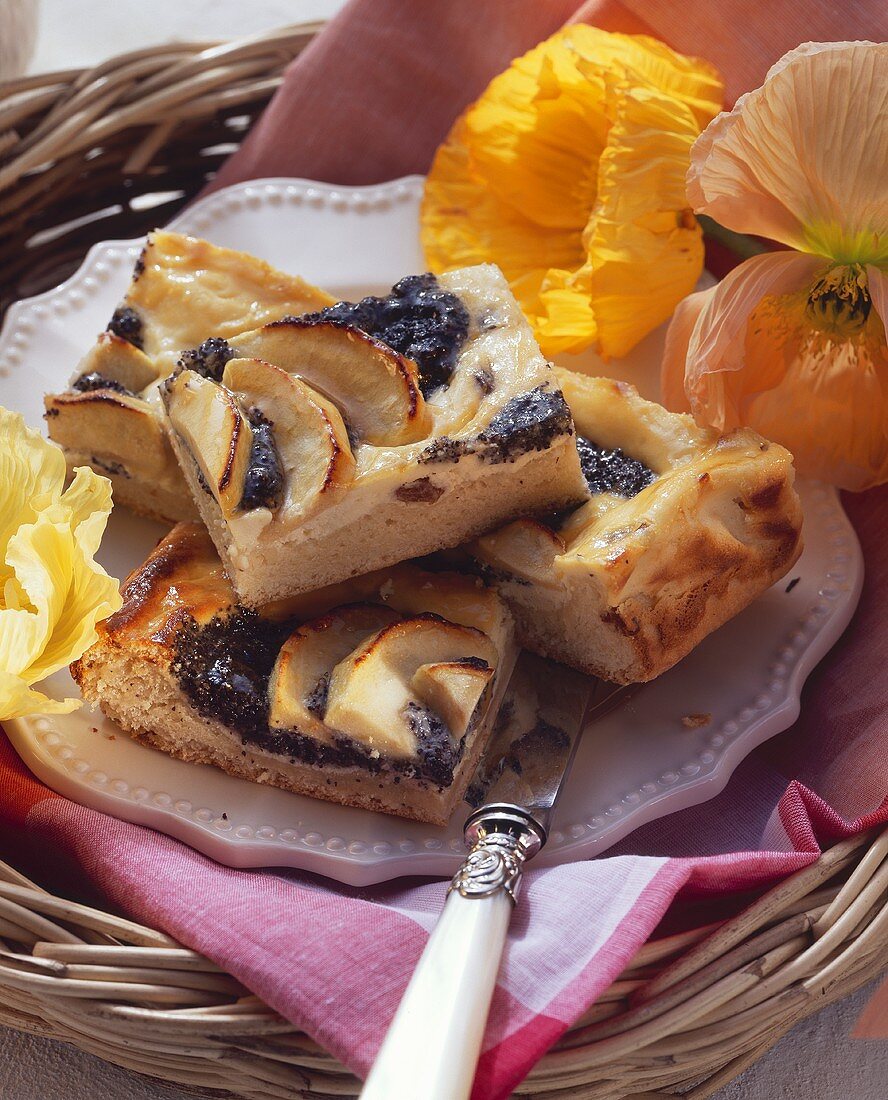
point(714, 998)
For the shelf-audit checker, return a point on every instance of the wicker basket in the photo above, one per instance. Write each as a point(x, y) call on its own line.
point(111, 152)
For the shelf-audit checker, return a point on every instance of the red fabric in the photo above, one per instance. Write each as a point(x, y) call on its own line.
point(370, 100)
point(375, 94)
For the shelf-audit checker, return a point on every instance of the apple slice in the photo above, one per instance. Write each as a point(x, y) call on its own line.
point(115, 429)
point(370, 690)
point(208, 420)
point(453, 690)
point(308, 431)
point(298, 683)
point(524, 549)
point(116, 361)
point(375, 388)
point(449, 595)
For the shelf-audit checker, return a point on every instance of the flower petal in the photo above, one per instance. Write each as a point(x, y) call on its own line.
point(564, 320)
point(645, 247)
point(830, 406)
point(31, 474)
point(751, 355)
point(536, 134)
point(675, 352)
point(568, 173)
point(90, 595)
point(802, 159)
point(462, 223)
point(717, 342)
point(17, 699)
point(53, 593)
point(40, 557)
point(650, 62)
point(877, 281)
point(88, 501)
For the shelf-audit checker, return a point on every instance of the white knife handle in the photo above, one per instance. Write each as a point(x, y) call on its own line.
point(432, 1045)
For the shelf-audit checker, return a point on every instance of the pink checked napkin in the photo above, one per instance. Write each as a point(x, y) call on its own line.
point(369, 100)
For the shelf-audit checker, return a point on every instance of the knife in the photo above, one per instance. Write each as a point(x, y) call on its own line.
point(432, 1046)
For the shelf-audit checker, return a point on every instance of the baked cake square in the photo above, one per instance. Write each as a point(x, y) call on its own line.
point(182, 289)
point(684, 528)
point(379, 692)
point(345, 440)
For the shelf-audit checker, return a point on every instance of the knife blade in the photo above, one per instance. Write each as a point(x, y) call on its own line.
point(431, 1048)
point(545, 710)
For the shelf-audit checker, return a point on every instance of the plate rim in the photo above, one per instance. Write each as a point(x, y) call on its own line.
point(368, 867)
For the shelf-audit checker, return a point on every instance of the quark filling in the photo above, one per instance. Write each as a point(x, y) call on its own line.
point(529, 422)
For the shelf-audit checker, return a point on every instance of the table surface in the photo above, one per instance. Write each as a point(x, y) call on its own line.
point(816, 1061)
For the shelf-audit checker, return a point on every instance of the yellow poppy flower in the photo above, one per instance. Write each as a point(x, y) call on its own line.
point(569, 173)
point(52, 592)
point(793, 343)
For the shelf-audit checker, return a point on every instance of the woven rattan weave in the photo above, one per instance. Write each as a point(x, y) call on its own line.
point(109, 153)
point(689, 1013)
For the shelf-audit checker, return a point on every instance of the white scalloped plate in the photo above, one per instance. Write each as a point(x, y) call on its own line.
point(634, 766)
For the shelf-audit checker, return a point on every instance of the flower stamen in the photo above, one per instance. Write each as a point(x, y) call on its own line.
point(840, 301)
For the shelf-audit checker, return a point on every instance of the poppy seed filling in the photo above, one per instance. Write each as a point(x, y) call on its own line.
point(438, 753)
point(417, 318)
point(126, 324)
point(529, 422)
point(92, 380)
point(223, 667)
point(209, 358)
point(264, 479)
point(612, 471)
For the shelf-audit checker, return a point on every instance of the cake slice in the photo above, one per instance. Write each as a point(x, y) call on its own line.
point(379, 692)
point(684, 528)
point(343, 441)
point(182, 291)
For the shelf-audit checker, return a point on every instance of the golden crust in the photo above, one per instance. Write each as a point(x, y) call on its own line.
point(627, 587)
point(181, 577)
point(186, 289)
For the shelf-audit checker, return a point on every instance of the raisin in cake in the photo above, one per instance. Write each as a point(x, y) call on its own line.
point(182, 290)
point(683, 529)
point(378, 692)
point(321, 446)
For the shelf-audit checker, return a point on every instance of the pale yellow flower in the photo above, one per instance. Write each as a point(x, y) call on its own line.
point(568, 173)
point(793, 343)
point(52, 592)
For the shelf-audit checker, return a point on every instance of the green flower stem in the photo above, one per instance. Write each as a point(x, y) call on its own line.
point(739, 243)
